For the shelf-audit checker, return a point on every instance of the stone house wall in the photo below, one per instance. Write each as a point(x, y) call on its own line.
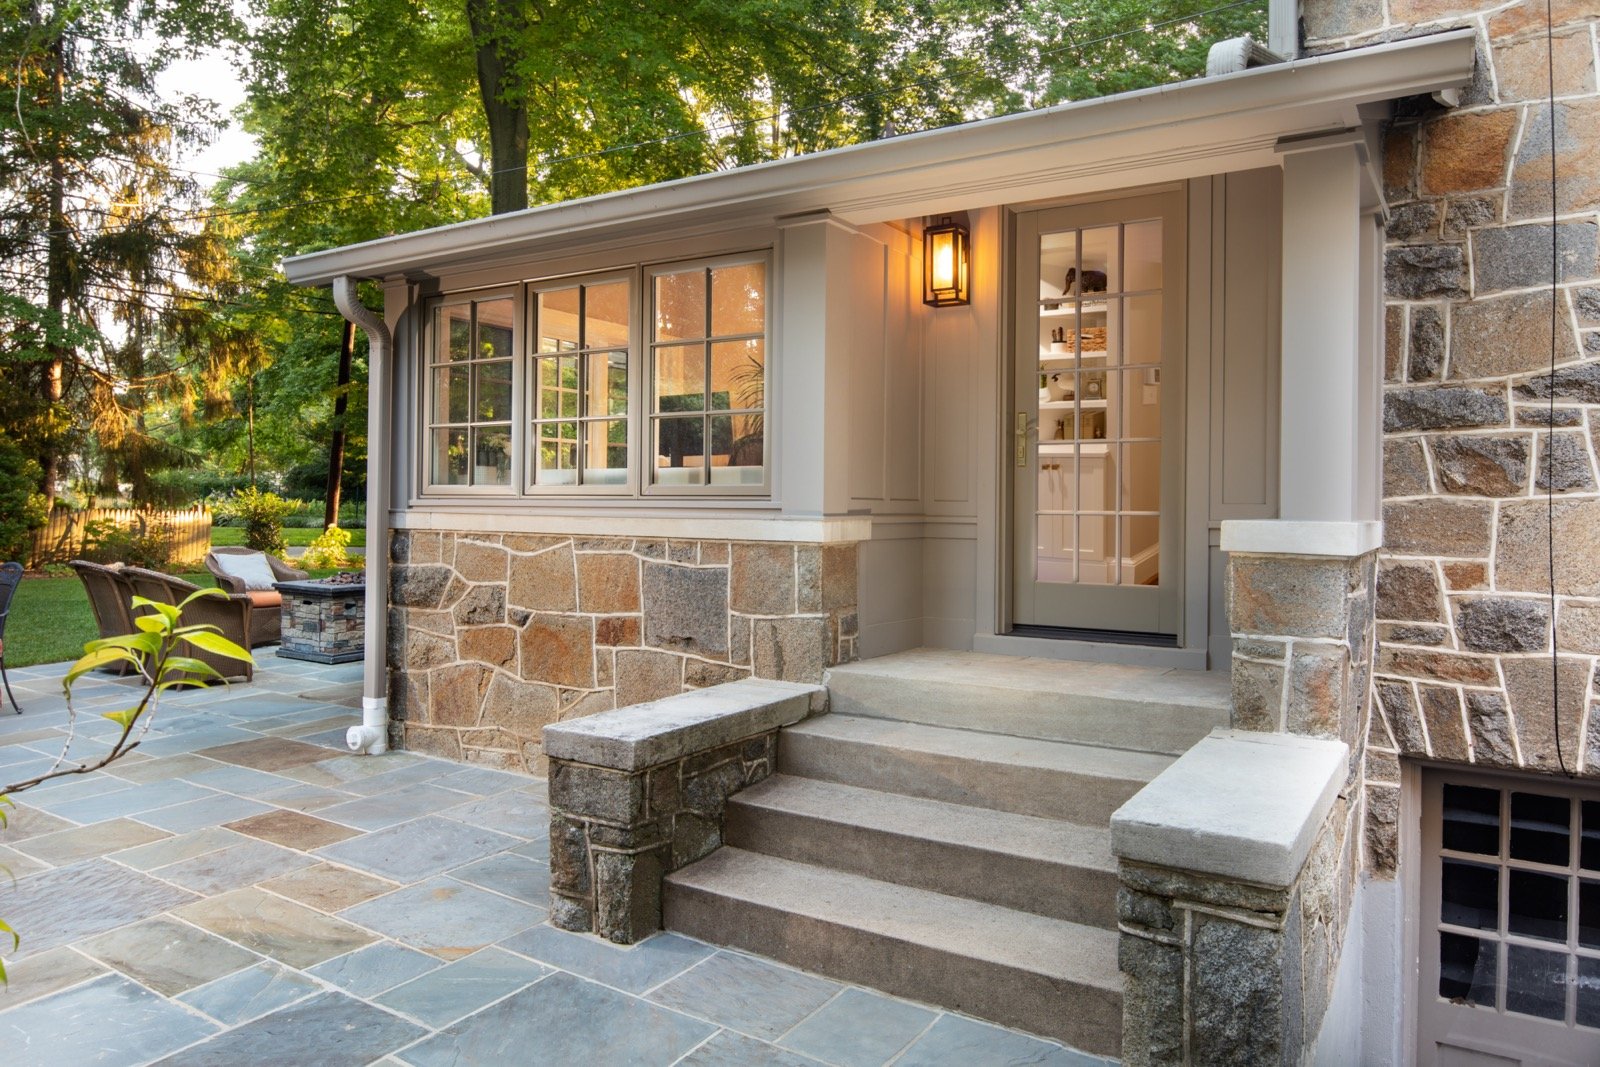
point(1463, 669)
point(494, 636)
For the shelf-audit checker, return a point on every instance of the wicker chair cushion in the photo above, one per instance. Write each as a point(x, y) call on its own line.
point(252, 569)
point(264, 598)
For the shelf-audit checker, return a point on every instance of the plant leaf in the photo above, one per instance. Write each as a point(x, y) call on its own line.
point(186, 665)
point(152, 624)
point(166, 609)
point(217, 645)
point(124, 718)
point(143, 642)
point(209, 591)
point(96, 659)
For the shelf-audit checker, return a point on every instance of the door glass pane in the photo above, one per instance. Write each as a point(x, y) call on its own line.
point(1589, 857)
point(1588, 992)
point(1540, 826)
point(1536, 982)
point(1467, 969)
point(1589, 914)
point(1472, 820)
point(1469, 895)
point(1538, 905)
point(605, 315)
point(1141, 255)
point(1089, 482)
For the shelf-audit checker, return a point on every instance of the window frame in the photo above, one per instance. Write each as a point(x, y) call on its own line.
point(650, 272)
point(427, 364)
point(528, 357)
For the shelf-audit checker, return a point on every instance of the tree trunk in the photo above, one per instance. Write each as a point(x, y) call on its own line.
point(341, 401)
point(505, 107)
point(57, 266)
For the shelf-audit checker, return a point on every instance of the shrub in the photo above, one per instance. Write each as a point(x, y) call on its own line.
point(328, 551)
point(143, 545)
point(22, 506)
point(261, 515)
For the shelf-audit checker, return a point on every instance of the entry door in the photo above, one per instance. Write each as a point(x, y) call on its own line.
point(1097, 416)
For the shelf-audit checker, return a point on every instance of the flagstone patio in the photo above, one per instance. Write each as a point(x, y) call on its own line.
point(239, 890)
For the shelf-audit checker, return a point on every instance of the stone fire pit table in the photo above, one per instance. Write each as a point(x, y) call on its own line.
point(324, 620)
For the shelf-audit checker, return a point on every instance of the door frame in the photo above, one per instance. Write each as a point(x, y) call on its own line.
point(1186, 382)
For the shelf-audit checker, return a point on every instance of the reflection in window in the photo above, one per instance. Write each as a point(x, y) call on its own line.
point(708, 376)
point(580, 382)
point(470, 377)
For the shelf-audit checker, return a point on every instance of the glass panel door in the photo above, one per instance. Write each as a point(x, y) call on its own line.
point(1096, 320)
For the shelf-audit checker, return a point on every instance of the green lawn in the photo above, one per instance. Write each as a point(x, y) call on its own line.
point(293, 536)
point(51, 619)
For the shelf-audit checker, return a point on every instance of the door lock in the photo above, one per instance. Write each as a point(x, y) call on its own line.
point(1022, 438)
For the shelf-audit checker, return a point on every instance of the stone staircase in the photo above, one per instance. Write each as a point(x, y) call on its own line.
point(943, 834)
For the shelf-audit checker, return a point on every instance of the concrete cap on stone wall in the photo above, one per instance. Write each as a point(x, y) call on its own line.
point(1239, 805)
point(644, 735)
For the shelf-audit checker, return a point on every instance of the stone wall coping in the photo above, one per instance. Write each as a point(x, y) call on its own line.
point(644, 735)
point(1240, 805)
point(1294, 537)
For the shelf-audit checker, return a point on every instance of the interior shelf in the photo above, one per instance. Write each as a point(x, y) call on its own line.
point(1066, 405)
point(1066, 448)
point(1047, 356)
point(1070, 311)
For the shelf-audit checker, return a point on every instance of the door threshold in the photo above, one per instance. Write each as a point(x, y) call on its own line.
point(1093, 649)
point(1108, 637)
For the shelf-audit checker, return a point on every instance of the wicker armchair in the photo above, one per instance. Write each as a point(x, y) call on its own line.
point(231, 616)
point(266, 625)
point(108, 597)
point(10, 578)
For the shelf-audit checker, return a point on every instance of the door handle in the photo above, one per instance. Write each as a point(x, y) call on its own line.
point(1022, 439)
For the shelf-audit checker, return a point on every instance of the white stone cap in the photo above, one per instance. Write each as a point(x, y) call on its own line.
point(1295, 537)
point(1239, 805)
point(644, 735)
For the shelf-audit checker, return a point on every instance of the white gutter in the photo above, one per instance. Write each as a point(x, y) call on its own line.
point(936, 160)
point(372, 736)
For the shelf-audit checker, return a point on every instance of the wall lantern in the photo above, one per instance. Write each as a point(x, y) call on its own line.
point(946, 253)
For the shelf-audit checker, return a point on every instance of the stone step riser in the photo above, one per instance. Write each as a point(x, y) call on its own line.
point(1058, 890)
point(1082, 1017)
point(1048, 793)
point(1049, 714)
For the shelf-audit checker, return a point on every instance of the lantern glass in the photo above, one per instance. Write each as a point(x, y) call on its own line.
point(945, 254)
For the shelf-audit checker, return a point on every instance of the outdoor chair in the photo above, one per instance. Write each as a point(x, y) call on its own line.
point(108, 598)
point(231, 616)
point(228, 564)
point(10, 578)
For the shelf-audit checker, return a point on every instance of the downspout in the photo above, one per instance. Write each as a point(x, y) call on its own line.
point(372, 736)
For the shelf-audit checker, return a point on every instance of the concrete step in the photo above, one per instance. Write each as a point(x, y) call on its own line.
point(1143, 708)
point(1025, 776)
point(1043, 975)
point(1045, 866)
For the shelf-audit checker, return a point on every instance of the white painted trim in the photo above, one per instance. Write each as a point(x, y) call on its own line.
point(1160, 127)
point(1290, 537)
point(710, 527)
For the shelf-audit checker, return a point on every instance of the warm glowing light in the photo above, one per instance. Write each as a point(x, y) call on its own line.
point(946, 254)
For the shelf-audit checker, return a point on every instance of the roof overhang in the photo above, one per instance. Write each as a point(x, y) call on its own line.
point(1205, 126)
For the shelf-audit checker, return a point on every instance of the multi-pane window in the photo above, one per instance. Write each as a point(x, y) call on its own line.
point(469, 413)
point(1515, 928)
point(579, 431)
point(590, 383)
point(708, 376)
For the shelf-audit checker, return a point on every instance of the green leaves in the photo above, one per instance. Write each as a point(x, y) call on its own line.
point(209, 640)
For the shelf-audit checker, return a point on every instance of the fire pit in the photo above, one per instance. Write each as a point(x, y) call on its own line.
point(324, 620)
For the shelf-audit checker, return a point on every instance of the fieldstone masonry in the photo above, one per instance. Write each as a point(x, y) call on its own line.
point(494, 636)
point(1464, 670)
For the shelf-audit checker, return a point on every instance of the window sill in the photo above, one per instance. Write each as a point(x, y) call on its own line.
point(718, 520)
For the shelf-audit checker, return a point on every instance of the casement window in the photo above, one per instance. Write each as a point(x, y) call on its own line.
point(581, 339)
point(470, 371)
point(708, 375)
point(650, 381)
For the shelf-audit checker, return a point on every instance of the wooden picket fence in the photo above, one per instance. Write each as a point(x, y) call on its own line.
point(68, 533)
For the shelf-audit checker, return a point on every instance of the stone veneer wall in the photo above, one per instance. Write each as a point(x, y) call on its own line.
point(494, 636)
point(1463, 671)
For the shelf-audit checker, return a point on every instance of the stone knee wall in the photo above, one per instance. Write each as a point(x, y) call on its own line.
point(1463, 672)
point(494, 636)
point(1221, 972)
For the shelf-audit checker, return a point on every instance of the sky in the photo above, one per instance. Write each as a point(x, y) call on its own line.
point(214, 75)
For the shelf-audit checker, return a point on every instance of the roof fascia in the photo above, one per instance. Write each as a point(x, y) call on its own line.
point(1155, 134)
